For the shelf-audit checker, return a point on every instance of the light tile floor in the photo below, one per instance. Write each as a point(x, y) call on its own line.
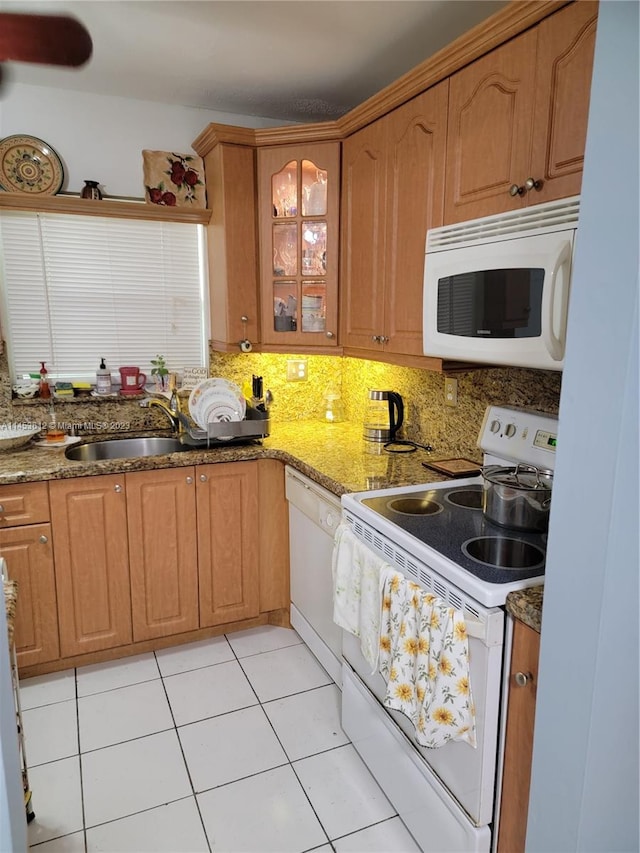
point(229, 744)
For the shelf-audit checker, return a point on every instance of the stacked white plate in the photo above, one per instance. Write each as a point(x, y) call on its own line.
point(216, 400)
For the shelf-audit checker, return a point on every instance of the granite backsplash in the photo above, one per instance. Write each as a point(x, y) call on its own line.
point(450, 430)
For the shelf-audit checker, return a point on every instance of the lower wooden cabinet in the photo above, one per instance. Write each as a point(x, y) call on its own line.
point(137, 557)
point(228, 542)
point(27, 550)
point(163, 552)
point(521, 711)
point(91, 553)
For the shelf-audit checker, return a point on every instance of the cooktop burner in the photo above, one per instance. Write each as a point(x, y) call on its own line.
point(449, 520)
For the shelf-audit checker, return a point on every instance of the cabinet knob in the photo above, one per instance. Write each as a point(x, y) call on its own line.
point(384, 339)
point(522, 678)
point(189, 481)
point(515, 190)
point(330, 334)
point(1, 508)
point(43, 539)
point(203, 478)
point(117, 489)
point(532, 184)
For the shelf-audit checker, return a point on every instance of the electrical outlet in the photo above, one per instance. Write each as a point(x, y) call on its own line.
point(296, 369)
point(450, 392)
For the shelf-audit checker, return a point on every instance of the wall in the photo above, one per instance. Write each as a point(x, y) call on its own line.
point(451, 431)
point(585, 792)
point(101, 138)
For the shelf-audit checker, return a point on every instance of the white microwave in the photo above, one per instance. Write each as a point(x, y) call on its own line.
point(496, 289)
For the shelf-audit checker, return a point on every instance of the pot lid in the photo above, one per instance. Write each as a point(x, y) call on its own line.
point(519, 477)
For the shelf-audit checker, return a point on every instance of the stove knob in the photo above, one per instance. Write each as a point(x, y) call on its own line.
point(495, 426)
point(510, 430)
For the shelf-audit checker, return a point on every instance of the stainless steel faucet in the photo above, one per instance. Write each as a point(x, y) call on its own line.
point(170, 408)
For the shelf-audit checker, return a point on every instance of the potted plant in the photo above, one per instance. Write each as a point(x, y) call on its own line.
point(160, 372)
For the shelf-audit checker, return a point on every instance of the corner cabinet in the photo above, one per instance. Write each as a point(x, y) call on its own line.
point(298, 198)
point(518, 118)
point(392, 192)
point(521, 711)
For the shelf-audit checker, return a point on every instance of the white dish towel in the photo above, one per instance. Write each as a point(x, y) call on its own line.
point(358, 578)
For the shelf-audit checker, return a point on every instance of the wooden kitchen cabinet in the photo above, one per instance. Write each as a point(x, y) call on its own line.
point(228, 542)
point(392, 192)
point(298, 198)
point(163, 552)
point(521, 709)
point(25, 543)
point(89, 521)
point(229, 159)
point(273, 537)
point(518, 113)
point(29, 557)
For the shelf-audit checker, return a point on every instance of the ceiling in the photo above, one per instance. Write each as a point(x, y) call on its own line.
point(290, 60)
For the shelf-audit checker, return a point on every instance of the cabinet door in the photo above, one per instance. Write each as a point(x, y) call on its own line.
point(228, 554)
point(298, 189)
point(518, 754)
point(364, 157)
point(489, 131)
point(163, 552)
point(29, 557)
point(566, 43)
point(232, 245)
point(89, 524)
point(417, 135)
point(274, 536)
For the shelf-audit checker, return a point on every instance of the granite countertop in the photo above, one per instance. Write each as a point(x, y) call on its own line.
point(332, 455)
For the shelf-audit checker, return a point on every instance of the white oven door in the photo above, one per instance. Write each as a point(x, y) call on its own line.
point(468, 773)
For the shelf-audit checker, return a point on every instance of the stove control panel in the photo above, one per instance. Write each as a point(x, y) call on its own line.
point(519, 436)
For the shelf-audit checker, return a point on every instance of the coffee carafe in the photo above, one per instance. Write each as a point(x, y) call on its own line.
point(384, 416)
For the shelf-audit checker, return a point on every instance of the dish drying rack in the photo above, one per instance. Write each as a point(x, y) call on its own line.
point(255, 426)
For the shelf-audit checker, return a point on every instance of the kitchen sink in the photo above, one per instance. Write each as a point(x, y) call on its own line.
point(124, 448)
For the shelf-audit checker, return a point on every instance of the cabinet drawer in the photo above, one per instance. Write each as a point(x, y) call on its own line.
point(24, 503)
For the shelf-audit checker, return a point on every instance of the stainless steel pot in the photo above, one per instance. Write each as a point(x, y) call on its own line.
point(518, 498)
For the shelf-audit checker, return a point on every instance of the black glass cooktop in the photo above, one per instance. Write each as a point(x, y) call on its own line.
point(451, 522)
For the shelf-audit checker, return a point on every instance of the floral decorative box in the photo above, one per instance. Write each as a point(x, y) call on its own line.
point(174, 180)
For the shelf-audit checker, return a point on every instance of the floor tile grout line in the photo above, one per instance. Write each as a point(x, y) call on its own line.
point(84, 817)
point(184, 758)
point(133, 814)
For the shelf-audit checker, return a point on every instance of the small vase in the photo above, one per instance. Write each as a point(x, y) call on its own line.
point(91, 190)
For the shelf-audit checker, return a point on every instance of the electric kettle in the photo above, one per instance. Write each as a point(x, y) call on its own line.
point(384, 416)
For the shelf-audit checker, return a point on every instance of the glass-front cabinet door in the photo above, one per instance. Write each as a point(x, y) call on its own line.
point(299, 198)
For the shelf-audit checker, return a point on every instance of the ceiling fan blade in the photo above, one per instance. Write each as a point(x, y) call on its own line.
point(46, 39)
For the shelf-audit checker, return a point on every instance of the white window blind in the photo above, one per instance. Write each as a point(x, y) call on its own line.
point(77, 288)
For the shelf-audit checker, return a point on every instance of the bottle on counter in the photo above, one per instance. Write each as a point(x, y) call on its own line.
point(103, 379)
point(43, 387)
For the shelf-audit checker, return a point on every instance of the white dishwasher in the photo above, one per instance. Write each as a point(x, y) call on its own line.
point(314, 514)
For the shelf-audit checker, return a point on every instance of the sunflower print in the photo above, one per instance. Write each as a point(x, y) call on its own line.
point(424, 659)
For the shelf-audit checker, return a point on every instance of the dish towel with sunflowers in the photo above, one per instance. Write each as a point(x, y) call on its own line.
point(358, 575)
point(424, 658)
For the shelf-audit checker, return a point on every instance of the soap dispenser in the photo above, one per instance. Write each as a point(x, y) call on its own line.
point(103, 378)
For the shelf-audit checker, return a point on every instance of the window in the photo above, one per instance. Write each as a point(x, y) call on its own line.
point(77, 288)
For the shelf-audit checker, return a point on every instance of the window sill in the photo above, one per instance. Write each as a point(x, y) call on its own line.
point(117, 209)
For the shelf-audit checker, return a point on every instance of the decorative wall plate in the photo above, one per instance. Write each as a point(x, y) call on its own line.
point(29, 165)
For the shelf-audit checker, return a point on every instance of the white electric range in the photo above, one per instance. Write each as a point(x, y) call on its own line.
point(436, 534)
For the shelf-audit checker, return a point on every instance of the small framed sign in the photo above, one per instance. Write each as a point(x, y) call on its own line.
point(191, 376)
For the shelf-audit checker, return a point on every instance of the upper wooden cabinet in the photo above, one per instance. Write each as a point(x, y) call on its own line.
point(392, 192)
point(298, 201)
point(229, 159)
point(518, 118)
